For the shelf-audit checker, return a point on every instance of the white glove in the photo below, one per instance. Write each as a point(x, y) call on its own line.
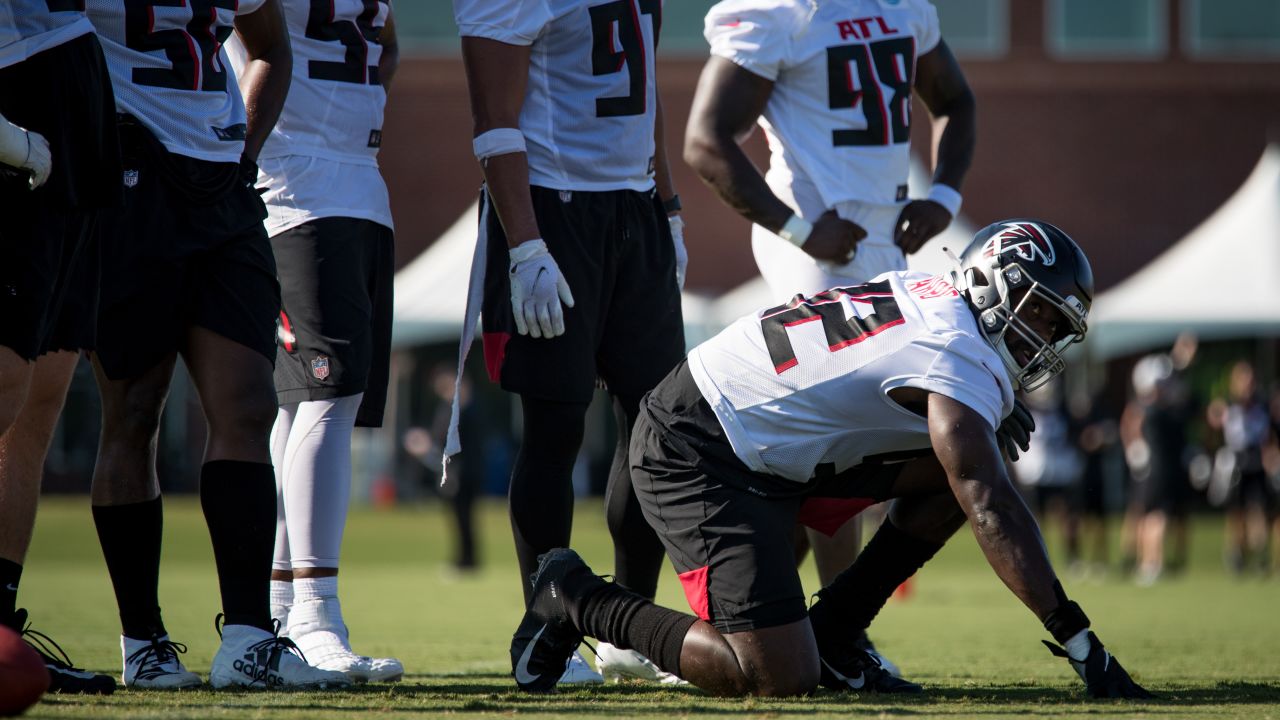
point(682, 255)
point(25, 150)
point(537, 289)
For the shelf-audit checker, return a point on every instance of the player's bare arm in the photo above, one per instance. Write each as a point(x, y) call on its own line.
point(728, 101)
point(942, 87)
point(390, 60)
point(265, 82)
point(497, 73)
point(1005, 529)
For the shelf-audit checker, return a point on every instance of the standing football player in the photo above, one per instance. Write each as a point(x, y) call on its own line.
point(888, 389)
point(59, 166)
point(188, 271)
point(581, 250)
point(329, 219)
point(831, 85)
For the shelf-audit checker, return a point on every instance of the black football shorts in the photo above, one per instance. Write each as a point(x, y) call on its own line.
point(729, 529)
point(49, 238)
point(336, 280)
point(188, 248)
point(615, 251)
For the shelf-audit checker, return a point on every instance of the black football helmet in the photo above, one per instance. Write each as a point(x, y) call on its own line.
point(1008, 257)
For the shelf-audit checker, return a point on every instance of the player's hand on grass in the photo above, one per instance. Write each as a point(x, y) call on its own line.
point(26, 150)
point(1103, 675)
point(833, 238)
point(682, 255)
point(1014, 433)
point(537, 289)
point(919, 221)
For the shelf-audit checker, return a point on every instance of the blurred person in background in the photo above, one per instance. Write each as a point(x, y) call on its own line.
point(329, 219)
point(831, 84)
point(1096, 435)
point(1156, 421)
point(1247, 430)
point(580, 258)
point(1050, 469)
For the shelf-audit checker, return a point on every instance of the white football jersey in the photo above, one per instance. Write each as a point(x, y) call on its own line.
point(839, 117)
point(588, 112)
point(28, 27)
point(169, 70)
point(300, 188)
point(807, 383)
point(336, 100)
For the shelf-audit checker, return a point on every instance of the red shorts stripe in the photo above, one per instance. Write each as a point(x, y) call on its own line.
point(694, 583)
point(495, 349)
point(827, 515)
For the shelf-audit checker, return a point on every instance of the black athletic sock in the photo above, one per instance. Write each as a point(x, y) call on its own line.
point(848, 605)
point(540, 499)
point(637, 551)
point(239, 502)
point(130, 536)
point(622, 618)
point(10, 576)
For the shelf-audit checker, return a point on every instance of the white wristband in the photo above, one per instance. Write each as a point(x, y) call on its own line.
point(946, 196)
point(498, 141)
point(796, 231)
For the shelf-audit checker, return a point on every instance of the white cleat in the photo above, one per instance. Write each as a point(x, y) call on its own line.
point(317, 628)
point(154, 664)
point(616, 665)
point(252, 657)
point(578, 672)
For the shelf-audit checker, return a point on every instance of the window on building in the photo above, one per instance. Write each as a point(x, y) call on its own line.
point(1104, 29)
point(1231, 28)
point(975, 28)
point(426, 26)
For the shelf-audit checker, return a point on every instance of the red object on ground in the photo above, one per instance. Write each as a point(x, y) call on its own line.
point(23, 676)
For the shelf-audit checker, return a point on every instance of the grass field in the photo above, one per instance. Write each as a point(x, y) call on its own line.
point(1209, 645)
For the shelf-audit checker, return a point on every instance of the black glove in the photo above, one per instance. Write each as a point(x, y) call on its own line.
point(1015, 431)
point(1103, 675)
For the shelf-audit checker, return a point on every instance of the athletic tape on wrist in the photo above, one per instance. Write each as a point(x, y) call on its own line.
point(796, 231)
point(946, 196)
point(498, 141)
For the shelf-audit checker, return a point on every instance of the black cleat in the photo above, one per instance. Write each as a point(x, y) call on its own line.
point(63, 678)
point(547, 636)
point(851, 668)
point(1103, 675)
point(848, 659)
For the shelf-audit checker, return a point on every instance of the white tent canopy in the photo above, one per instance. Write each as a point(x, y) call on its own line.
point(1220, 281)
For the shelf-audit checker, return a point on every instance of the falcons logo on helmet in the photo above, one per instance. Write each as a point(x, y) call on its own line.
point(1028, 240)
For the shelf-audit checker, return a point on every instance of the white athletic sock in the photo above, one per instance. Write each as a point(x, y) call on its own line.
point(1077, 646)
point(315, 473)
point(314, 588)
point(281, 601)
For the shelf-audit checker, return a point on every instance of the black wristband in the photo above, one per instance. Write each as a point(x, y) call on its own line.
point(1067, 619)
point(672, 205)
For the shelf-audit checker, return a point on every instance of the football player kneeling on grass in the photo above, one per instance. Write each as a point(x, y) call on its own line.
point(811, 411)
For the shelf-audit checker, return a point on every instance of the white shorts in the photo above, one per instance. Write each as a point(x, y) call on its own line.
point(789, 270)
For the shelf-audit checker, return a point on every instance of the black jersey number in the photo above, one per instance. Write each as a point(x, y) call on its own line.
point(65, 5)
point(617, 42)
point(855, 74)
point(355, 38)
point(193, 49)
point(825, 307)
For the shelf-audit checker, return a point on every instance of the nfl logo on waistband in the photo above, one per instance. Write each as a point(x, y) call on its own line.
point(130, 178)
point(320, 367)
